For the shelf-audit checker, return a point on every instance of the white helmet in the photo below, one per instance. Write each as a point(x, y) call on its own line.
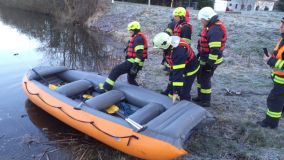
point(162, 40)
point(206, 13)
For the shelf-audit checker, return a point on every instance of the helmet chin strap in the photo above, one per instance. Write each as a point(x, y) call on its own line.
point(175, 41)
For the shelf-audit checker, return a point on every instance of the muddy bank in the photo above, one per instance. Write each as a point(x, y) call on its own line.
point(67, 11)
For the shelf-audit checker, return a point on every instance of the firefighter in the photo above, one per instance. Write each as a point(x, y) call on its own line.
point(136, 54)
point(183, 64)
point(182, 27)
point(275, 100)
point(179, 26)
point(210, 52)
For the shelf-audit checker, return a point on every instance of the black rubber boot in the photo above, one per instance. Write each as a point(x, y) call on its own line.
point(196, 99)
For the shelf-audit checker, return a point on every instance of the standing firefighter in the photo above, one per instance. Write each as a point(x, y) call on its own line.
point(210, 46)
point(182, 61)
point(182, 28)
point(275, 100)
point(136, 54)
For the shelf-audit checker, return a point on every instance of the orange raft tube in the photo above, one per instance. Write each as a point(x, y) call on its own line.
point(155, 142)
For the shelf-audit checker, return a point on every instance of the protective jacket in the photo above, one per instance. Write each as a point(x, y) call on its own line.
point(277, 62)
point(212, 42)
point(137, 48)
point(180, 60)
point(183, 30)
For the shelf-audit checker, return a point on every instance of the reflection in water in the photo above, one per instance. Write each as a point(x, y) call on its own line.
point(67, 142)
point(66, 45)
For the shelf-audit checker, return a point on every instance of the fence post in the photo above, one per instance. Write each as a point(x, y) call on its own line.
point(112, 1)
point(149, 2)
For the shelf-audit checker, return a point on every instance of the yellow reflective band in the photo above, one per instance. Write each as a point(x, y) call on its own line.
point(278, 80)
point(132, 60)
point(109, 81)
point(273, 114)
point(202, 62)
point(178, 84)
point(277, 64)
point(169, 31)
point(187, 40)
point(137, 60)
point(139, 47)
point(179, 66)
point(214, 44)
point(220, 60)
point(198, 85)
point(101, 86)
point(141, 64)
point(170, 95)
point(281, 65)
point(206, 91)
point(193, 72)
point(213, 57)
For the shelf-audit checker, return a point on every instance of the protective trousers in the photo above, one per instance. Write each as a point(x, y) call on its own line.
point(186, 88)
point(275, 104)
point(117, 71)
point(204, 82)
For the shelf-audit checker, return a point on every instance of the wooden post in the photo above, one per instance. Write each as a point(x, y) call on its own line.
point(112, 1)
point(149, 2)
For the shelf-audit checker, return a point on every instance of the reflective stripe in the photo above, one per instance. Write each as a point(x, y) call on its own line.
point(278, 79)
point(170, 95)
point(192, 72)
point(179, 84)
point(141, 64)
point(206, 91)
point(198, 85)
point(279, 64)
point(214, 44)
point(139, 47)
point(187, 40)
point(220, 60)
point(101, 86)
point(169, 30)
point(137, 60)
point(202, 62)
point(132, 60)
point(179, 66)
point(273, 114)
point(213, 57)
point(109, 81)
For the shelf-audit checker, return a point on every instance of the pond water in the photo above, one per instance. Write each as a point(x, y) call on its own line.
point(31, 39)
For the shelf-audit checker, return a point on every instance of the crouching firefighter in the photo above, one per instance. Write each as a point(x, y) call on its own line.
point(275, 100)
point(136, 54)
point(210, 47)
point(183, 64)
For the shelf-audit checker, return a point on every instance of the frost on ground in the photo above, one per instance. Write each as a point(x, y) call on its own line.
point(240, 85)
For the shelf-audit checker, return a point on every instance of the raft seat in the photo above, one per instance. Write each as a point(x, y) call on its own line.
point(74, 88)
point(147, 113)
point(105, 100)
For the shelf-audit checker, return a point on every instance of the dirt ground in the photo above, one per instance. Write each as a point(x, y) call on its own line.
point(240, 85)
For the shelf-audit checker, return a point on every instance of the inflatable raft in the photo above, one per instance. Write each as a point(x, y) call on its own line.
point(148, 125)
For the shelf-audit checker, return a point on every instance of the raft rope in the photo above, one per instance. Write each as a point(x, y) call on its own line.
point(130, 137)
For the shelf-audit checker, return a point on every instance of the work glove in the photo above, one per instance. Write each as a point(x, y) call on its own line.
point(134, 69)
point(175, 98)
